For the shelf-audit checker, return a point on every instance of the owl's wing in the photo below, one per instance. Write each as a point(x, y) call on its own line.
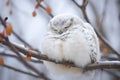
point(95, 41)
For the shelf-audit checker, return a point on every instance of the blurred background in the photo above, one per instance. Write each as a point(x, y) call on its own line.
point(30, 19)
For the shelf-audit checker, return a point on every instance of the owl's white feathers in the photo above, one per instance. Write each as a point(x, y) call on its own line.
point(70, 39)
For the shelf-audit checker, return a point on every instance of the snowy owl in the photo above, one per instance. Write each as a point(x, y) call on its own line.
point(71, 39)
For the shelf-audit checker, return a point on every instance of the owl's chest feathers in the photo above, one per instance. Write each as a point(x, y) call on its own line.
point(72, 42)
point(59, 43)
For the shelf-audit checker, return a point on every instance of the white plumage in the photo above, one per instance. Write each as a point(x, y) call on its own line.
point(70, 39)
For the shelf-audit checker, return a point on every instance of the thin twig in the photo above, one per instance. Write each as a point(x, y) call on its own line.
point(51, 15)
point(17, 53)
point(83, 8)
point(14, 56)
point(111, 65)
point(24, 62)
point(104, 11)
point(24, 42)
point(36, 55)
point(116, 75)
point(3, 22)
point(99, 65)
point(21, 71)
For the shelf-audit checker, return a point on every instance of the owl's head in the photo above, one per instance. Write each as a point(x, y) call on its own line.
point(61, 23)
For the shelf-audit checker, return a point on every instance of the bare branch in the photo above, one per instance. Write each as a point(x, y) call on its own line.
point(83, 8)
point(51, 15)
point(24, 62)
point(99, 65)
point(104, 11)
point(18, 54)
point(3, 22)
point(14, 56)
point(36, 55)
point(104, 65)
point(21, 71)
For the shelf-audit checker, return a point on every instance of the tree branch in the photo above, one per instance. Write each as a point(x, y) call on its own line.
point(17, 53)
point(36, 54)
point(104, 65)
point(24, 62)
point(21, 71)
point(99, 65)
point(14, 56)
point(3, 22)
point(51, 15)
point(83, 8)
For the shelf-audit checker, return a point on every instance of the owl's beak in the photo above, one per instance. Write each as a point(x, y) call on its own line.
point(60, 32)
